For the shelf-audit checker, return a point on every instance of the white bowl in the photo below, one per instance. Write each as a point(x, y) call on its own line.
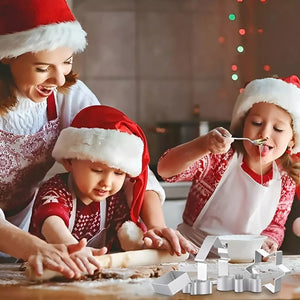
point(241, 247)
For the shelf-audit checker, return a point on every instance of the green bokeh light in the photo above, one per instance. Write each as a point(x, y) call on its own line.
point(231, 17)
point(240, 49)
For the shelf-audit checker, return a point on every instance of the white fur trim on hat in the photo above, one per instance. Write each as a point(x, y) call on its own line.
point(44, 37)
point(271, 90)
point(116, 149)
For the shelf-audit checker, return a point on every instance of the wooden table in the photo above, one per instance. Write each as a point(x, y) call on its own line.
point(14, 285)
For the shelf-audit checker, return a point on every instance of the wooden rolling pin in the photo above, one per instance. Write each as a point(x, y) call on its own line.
point(126, 259)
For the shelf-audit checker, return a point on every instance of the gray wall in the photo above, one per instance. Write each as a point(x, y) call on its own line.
point(156, 59)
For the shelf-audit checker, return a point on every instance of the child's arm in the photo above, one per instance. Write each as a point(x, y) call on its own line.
point(182, 156)
point(55, 230)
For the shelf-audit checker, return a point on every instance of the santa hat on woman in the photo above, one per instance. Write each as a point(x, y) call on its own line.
point(36, 25)
point(284, 92)
point(102, 133)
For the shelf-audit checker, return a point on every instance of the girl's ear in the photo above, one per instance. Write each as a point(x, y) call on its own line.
point(67, 163)
point(291, 144)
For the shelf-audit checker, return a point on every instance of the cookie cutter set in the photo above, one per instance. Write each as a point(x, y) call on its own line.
point(174, 281)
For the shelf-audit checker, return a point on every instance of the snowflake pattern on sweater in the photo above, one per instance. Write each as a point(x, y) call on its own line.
point(55, 198)
point(206, 174)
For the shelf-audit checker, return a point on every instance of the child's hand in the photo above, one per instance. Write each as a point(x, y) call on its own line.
point(168, 239)
point(218, 140)
point(296, 226)
point(85, 259)
point(270, 245)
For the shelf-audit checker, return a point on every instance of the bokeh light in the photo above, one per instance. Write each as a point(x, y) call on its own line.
point(240, 49)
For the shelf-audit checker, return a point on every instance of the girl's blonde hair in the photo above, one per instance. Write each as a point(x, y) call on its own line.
point(291, 166)
point(8, 97)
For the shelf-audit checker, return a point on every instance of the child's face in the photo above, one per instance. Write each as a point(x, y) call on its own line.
point(95, 181)
point(266, 120)
point(36, 75)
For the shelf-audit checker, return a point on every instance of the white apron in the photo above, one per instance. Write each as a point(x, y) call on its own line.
point(99, 239)
point(25, 160)
point(239, 205)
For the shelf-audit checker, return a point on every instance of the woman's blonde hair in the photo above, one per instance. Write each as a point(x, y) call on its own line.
point(291, 166)
point(8, 97)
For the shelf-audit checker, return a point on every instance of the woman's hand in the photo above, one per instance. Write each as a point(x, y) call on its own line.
point(85, 259)
point(168, 239)
point(54, 257)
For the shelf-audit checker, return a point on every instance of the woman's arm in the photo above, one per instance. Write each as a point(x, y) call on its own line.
point(37, 252)
point(158, 235)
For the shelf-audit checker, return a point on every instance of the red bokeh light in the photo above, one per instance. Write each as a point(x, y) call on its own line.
point(242, 31)
point(234, 67)
point(221, 39)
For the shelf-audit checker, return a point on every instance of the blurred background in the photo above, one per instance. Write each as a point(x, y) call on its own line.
point(177, 66)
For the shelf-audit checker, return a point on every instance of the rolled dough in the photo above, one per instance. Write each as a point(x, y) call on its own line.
point(126, 259)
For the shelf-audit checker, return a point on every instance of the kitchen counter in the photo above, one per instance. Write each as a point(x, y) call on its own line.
point(14, 285)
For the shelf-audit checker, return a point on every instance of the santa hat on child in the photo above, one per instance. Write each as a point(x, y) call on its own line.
point(105, 134)
point(284, 92)
point(36, 25)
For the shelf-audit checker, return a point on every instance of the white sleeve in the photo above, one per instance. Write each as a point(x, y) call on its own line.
point(2, 216)
point(68, 105)
point(154, 185)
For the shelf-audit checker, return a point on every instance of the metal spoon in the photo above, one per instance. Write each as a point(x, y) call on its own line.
point(257, 142)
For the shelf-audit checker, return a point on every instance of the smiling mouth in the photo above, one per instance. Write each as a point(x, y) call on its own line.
point(45, 91)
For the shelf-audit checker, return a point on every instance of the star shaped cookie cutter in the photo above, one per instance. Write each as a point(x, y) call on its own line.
point(259, 255)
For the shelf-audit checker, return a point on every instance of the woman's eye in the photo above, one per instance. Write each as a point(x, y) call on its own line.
point(69, 61)
point(97, 171)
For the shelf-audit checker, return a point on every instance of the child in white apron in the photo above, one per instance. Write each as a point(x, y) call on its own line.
point(242, 188)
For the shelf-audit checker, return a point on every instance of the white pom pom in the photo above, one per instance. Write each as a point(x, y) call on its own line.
point(130, 236)
point(296, 226)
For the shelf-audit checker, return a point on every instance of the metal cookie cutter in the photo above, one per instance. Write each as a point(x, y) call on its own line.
point(203, 286)
point(259, 255)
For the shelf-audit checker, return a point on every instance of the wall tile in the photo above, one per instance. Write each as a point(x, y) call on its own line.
point(164, 45)
point(111, 44)
point(120, 94)
point(164, 100)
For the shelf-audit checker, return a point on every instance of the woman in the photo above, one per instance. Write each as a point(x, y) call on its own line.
point(39, 96)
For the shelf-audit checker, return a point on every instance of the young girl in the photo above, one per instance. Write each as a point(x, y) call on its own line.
point(99, 150)
point(243, 188)
point(39, 96)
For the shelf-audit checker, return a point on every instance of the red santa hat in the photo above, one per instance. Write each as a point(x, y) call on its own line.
point(284, 92)
point(105, 134)
point(36, 25)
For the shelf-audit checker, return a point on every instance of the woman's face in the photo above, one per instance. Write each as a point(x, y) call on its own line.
point(37, 74)
point(266, 120)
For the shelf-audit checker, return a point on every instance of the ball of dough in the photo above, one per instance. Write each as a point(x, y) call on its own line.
point(296, 226)
point(130, 236)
